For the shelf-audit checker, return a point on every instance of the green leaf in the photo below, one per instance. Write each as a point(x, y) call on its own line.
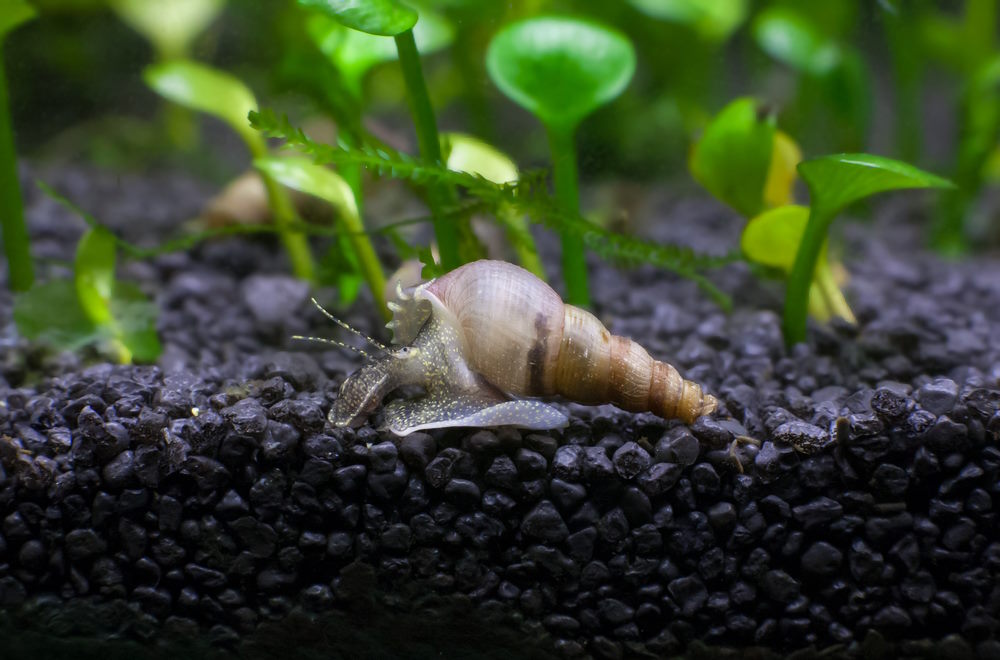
point(204, 89)
point(772, 238)
point(838, 180)
point(732, 158)
point(561, 69)
point(464, 153)
point(303, 175)
point(791, 38)
point(94, 274)
point(12, 14)
point(385, 18)
point(51, 312)
point(782, 173)
point(355, 53)
point(714, 20)
point(170, 25)
point(135, 322)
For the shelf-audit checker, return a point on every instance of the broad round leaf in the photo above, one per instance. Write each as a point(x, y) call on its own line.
point(385, 18)
point(772, 238)
point(94, 273)
point(840, 179)
point(561, 69)
point(12, 14)
point(355, 53)
point(205, 89)
point(732, 158)
point(714, 20)
point(468, 154)
point(789, 37)
point(169, 24)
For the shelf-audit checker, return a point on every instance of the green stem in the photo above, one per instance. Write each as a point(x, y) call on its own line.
point(520, 237)
point(296, 244)
point(351, 172)
point(429, 144)
point(797, 292)
point(371, 268)
point(17, 245)
point(574, 264)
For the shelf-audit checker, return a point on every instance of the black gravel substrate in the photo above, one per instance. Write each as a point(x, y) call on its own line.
point(204, 504)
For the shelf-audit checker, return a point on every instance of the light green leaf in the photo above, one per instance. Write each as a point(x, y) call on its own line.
point(732, 158)
point(204, 89)
point(12, 14)
point(791, 38)
point(561, 69)
point(51, 312)
point(385, 18)
point(837, 180)
point(170, 25)
point(135, 322)
point(303, 175)
point(714, 20)
point(465, 153)
point(94, 273)
point(354, 53)
point(772, 238)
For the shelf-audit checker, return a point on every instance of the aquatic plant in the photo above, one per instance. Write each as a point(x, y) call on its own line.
point(214, 92)
point(94, 307)
point(389, 18)
point(561, 70)
point(17, 245)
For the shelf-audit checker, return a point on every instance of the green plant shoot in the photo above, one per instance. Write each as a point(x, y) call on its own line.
point(303, 175)
point(835, 182)
point(772, 239)
point(464, 153)
point(17, 245)
point(389, 18)
point(213, 92)
point(733, 156)
point(561, 70)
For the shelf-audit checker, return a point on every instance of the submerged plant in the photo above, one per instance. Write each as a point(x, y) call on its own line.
point(17, 246)
point(207, 90)
point(389, 18)
point(305, 176)
point(92, 308)
point(834, 183)
point(561, 70)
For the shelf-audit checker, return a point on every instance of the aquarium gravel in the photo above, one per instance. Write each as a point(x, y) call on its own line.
point(206, 498)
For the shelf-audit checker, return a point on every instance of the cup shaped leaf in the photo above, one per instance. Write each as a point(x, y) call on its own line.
point(354, 53)
point(560, 69)
point(12, 14)
point(714, 20)
point(732, 158)
point(204, 89)
point(464, 153)
point(838, 180)
point(797, 42)
point(384, 18)
point(94, 273)
point(170, 25)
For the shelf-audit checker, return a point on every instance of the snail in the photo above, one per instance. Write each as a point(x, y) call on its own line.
point(480, 338)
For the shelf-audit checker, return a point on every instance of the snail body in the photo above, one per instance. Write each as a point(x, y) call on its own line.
point(482, 336)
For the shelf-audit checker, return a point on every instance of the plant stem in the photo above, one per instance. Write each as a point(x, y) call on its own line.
point(296, 244)
point(430, 146)
point(564, 174)
point(801, 277)
point(17, 245)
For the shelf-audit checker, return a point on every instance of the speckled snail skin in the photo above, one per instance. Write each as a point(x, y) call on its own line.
point(483, 335)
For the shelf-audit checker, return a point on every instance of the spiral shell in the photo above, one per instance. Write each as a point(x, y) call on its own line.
point(517, 333)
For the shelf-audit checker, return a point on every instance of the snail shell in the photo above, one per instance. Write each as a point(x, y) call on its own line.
point(519, 335)
point(480, 337)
